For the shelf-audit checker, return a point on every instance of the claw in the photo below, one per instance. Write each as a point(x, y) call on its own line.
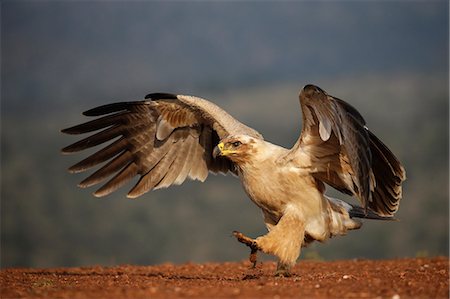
point(250, 243)
point(283, 273)
point(246, 240)
point(283, 270)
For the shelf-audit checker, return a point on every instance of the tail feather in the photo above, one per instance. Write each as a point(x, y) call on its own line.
point(360, 212)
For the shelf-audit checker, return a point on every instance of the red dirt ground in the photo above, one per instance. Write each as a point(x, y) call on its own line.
point(402, 278)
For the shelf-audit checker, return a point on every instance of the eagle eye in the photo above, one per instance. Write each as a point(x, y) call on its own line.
point(236, 143)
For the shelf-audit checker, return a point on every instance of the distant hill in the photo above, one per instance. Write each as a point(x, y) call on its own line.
point(63, 52)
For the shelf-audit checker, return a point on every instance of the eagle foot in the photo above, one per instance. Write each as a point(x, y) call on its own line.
point(283, 270)
point(250, 243)
point(283, 273)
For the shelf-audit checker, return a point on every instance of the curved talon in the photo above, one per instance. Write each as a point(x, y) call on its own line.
point(246, 240)
point(250, 243)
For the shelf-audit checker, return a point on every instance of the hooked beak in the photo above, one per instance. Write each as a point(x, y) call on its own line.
point(218, 150)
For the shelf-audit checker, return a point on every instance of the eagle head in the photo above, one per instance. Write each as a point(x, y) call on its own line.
point(236, 148)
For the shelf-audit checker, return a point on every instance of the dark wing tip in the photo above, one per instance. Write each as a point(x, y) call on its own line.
point(363, 213)
point(312, 87)
point(75, 130)
point(310, 90)
point(66, 131)
point(161, 95)
point(108, 108)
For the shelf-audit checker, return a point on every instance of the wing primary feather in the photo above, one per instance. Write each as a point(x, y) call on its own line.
point(107, 170)
point(389, 174)
point(125, 175)
point(389, 158)
point(94, 140)
point(96, 124)
point(101, 156)
point(351, 110)
point(110, 108)
point(161, 96)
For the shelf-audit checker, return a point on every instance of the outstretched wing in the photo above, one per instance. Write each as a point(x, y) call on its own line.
point(339, 150)
point(163, 140)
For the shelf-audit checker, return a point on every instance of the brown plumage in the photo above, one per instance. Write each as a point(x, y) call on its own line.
point(167, 138)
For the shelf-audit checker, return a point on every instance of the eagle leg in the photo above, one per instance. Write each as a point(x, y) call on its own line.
point(284, 240)
point(250, 243)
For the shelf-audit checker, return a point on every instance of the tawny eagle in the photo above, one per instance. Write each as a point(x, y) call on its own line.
point(167, 138)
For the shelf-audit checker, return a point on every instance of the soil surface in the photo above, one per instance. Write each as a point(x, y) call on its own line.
point(402, 278)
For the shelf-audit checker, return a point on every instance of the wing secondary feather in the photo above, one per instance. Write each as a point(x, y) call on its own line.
point(341, 151)
point(163, 140)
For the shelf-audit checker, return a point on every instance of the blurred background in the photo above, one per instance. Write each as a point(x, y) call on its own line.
point(389, 59)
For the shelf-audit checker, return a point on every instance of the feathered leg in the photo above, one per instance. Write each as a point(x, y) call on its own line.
point(284, 241)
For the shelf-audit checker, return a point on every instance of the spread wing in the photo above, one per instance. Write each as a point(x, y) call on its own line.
point(339, 149)
point(163, 140)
